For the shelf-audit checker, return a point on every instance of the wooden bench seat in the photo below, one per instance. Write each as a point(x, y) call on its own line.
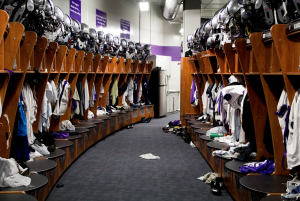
point(261, 185)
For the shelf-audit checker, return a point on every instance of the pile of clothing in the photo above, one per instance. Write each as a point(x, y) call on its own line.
point(292, 189)
point(264, 167)
point(176, 128)
point(228, 109)
point(66, 126)
point(241, 152)
point(12, 174)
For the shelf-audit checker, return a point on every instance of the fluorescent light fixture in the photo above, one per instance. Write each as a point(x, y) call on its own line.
point(144, 6)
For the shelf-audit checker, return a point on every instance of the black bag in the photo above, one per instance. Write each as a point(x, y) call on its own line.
point(47, 139)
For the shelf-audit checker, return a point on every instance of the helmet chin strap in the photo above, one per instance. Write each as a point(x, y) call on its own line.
point(275, 16)
point(284, 8)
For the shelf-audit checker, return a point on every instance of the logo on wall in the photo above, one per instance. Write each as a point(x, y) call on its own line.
point(75, 9)
point(125, 29)
point(101, 19)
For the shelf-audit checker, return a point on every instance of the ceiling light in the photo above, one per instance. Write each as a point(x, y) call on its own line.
point(144, 6)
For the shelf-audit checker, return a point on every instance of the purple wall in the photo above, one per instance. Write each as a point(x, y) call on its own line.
point(173, 51)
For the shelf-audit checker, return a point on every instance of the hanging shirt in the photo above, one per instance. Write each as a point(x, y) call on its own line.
point(130, 90)
point(101, 90)
point(205, 99)
point(135, 88)
point(140, 93)
point(232, 95)
point(293, 146)
point(86, 96)
point(75, 110)
point(80, 91)
point(44, 123)
point(114, 91)
point(282, 110)
point(92, 99)
point(30, 108)
point(124, 104)
point(194, 94)
point(61, 105)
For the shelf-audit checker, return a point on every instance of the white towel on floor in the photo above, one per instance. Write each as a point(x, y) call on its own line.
point(149, 156)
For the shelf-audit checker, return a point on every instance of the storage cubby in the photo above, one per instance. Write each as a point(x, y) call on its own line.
point(256, 96)
point(273, 84)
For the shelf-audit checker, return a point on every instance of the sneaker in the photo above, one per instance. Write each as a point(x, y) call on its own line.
point(219, 180)
point(41, 149)
point(215, 188)
point(166, 130)
point(149, 119)
point(143, 120)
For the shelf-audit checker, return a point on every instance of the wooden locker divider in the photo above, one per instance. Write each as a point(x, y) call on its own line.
point(88, 65)
point(123, 77)
point(132, 72)
point(223, 66)
point(286, 42)
point(185, 83)
point(72, 79)
point(12, 46)
point(201, 76)
point(91, 75)
point(198, 80)
point(75, 76)
point(287, 50)
point(256, 96)
point(4, 75)
point(55, 59)
point(99, 81)
point(15, 85)
point(272, 82)
point(39, 54)
point(139, 75)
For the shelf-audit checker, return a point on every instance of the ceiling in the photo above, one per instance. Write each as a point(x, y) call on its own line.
point(209, 7)
point(159, 2)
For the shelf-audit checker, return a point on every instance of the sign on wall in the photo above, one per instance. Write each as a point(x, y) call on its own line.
point(75, 9)
point(101, 19)
point(125, 29)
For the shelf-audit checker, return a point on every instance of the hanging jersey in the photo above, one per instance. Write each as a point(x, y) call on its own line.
point(293, 146)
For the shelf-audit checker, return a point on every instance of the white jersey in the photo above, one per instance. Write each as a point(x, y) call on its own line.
point(293, 146)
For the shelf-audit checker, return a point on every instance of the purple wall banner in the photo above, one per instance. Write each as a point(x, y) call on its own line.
point(75, 9)
point(125, 29)
point(101, 19)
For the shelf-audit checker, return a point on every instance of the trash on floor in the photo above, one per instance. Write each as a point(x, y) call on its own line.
point(209, 177)
point(149, 156)
point(192, 144)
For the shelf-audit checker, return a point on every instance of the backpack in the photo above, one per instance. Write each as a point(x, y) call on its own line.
point(63, 98)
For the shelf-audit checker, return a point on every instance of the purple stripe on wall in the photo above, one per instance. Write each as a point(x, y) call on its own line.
point(157, 50)
point(173, 51)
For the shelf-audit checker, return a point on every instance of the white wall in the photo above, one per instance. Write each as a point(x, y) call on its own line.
point(188, 27)
point(154, 29)
point(115, 9)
